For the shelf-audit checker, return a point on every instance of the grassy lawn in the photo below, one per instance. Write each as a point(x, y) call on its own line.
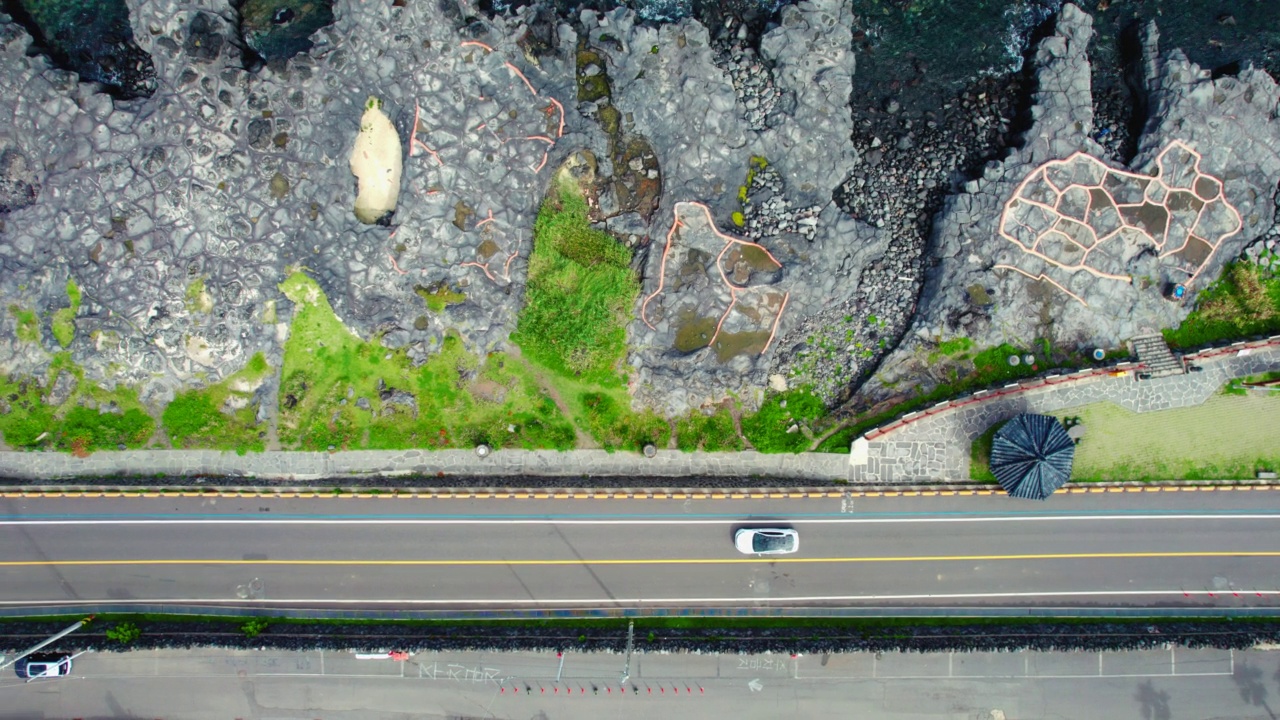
point(1244, 302)
point(712, 433)
point(783, 422)
point(1229, 437)
point(63, 324)
point(578, 303)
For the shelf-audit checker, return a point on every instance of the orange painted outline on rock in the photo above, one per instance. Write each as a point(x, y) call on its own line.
point(414, 142)
point(1042, 173)
point(730, 241)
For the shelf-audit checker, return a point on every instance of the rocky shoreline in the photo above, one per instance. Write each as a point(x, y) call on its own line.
point(786, 234)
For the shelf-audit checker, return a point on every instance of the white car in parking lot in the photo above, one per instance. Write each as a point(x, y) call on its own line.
point(766, 541)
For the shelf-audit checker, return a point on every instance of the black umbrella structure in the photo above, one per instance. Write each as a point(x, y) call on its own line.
point(1031, 456)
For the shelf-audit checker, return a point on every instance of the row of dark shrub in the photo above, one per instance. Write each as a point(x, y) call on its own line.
point(610, 636)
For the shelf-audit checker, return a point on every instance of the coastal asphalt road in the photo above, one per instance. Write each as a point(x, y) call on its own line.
point(1130, 549)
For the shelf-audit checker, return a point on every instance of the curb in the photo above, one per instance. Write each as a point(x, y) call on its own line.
point(233, 612)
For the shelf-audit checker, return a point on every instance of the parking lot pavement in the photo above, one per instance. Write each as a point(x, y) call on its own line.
point(210, 683)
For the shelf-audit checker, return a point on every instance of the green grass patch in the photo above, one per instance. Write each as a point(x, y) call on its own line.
point(1243, 302)
point(87, 429)
point(90, 418)
point(616, 426)
point(712, 433)
point(947, 348)
point(980, 455)
point(28, 329)
point(64, 319)
point(465, 401)
point(342, 391)
point(992, 365)
point(579, 295)
point(25, 421)
point(767, 428)
point(197, 297)
point(439, 296)
point(326, 368)
point(220, 416)
point(1261, 378)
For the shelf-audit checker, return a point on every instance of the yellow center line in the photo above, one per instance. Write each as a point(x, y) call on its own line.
point(672, 561)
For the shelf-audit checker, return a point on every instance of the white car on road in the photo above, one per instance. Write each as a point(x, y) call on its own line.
point(766, 541)
point(45, 665)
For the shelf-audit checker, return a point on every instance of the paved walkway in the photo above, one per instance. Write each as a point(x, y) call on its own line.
point(934, 444)
point(337, 466)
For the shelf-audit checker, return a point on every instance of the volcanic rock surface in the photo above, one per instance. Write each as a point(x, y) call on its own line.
point(721, 163)
point(1201, 188)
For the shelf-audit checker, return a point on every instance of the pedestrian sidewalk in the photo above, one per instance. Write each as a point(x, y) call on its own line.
point(291, 466)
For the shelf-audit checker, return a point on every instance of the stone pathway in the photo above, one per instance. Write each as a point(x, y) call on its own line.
point(934, 445)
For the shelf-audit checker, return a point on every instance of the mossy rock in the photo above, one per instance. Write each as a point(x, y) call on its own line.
point(438, 296)
point(592, 87)
point(979, 297)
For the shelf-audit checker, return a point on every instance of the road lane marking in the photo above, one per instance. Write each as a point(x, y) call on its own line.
point(672, 561)
point(416, 493)
point(1264, 611)
point(747, 519)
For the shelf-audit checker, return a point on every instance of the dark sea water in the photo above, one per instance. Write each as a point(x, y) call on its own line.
point(920, 52)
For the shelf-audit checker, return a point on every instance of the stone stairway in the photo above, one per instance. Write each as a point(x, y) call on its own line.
point(1156, 357)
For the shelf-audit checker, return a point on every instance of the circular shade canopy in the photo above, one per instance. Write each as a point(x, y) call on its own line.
point(1031, 456)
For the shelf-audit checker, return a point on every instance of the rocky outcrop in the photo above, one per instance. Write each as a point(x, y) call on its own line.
point(712, 128)
point(992, 286)
point(225, 178)
point(94, 39)
point(18, 183)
